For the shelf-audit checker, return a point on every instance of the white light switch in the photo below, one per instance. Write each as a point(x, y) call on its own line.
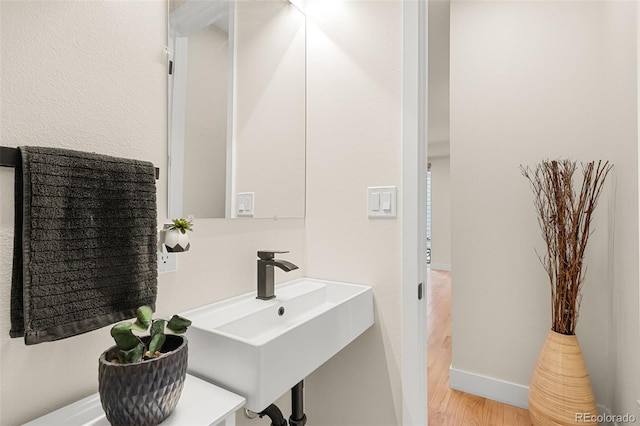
point(244, 203)
point(386, 200)
point(374, 201)
point(382, 202)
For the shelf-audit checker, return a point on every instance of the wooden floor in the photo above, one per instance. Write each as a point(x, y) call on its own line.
point(449, 407)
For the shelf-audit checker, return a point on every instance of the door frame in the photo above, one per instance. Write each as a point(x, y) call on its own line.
point(414, 159)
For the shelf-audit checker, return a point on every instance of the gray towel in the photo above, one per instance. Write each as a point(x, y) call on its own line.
point(84, 244)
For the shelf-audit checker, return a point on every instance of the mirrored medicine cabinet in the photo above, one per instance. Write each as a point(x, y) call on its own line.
point(237, 109)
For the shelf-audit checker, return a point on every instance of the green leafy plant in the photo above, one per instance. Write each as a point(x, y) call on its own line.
point(182, 225)
point(131, 348)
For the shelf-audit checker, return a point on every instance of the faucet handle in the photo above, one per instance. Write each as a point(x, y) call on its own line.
point(270, 254)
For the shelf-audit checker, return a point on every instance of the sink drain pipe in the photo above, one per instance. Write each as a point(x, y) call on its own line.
point(297, 418)
point(274, 413)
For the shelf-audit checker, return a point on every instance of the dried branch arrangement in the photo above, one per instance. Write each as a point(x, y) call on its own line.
point(564, 216)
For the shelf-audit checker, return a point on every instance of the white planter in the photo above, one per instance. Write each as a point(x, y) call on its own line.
point(176, 241)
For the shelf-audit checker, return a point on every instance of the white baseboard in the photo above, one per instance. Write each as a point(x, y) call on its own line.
point(440, 266)
point(490, 388)
point(499, 390)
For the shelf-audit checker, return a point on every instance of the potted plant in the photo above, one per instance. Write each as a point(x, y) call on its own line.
point(176, 238)
point(140, 379)
point(560, 390)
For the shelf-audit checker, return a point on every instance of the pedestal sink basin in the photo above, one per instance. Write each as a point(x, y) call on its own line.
point(261, 348)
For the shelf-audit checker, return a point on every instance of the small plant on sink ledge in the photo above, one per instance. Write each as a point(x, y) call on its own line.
point(176, 238)
point(141, 378)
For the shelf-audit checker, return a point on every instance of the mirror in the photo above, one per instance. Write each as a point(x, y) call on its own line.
point(237, 109)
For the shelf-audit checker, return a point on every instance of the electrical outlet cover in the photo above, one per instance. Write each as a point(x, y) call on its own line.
point(167, 262)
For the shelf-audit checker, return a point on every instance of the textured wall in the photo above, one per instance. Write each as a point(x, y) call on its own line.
point(354, 140)
point(77, 75)
point(92, 76)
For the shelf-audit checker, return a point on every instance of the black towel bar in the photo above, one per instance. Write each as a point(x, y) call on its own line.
point(9, 157)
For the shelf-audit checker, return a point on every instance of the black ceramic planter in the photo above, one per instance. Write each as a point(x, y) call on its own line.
point(145, 393)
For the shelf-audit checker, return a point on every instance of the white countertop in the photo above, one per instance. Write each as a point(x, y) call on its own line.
point(201, 403)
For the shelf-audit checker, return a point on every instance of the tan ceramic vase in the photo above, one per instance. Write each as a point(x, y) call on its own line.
point(560, 392)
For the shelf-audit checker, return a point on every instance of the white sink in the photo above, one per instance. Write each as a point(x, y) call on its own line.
point(244, 345)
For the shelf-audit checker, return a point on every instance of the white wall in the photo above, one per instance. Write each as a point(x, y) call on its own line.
point(354, 140)
point(440, 213)
point(438, 123)
point(72, 78)
point(529, 81)
point(438, 133)
point(92, 76)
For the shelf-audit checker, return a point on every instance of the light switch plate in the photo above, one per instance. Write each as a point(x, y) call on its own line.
point(382, 202)
point(245, 203)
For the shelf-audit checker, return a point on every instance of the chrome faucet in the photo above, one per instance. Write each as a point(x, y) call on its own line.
point(266, 262)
